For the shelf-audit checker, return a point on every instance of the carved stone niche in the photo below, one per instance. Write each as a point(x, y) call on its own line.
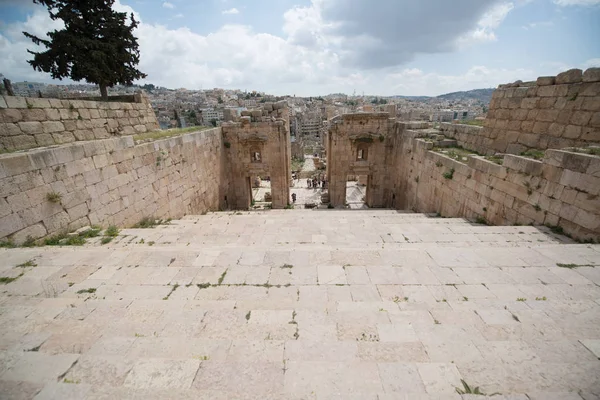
point(361, 144)
point(249, 138)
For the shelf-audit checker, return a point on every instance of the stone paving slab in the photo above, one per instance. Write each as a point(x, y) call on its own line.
point(365, 304)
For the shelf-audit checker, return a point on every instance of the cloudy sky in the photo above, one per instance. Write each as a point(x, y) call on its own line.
point(317, 47)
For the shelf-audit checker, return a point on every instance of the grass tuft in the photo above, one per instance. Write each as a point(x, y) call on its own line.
point(26, 264)
point(54, 197)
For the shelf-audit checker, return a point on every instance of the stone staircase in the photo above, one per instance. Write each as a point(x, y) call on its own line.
point(297, 304)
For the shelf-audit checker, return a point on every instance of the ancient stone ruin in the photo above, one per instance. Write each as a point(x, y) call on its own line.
point(532, 163)
point(407, 299)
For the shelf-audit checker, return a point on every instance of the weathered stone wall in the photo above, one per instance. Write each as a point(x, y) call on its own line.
point(561, 190)
point(110, 181)
point(266, 131)
point(271, 141)
point(373, 134)
point(551, 113)
point(33, 122)
point(468, 136)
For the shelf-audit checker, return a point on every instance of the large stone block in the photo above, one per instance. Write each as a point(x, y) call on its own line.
point(63, 137)
point(547, 102)
point(44, 139)
point(34, 231)
point(546, 80)
point(590, 89)
point(589, 134)
point(23, 142)
point(581, 118)
point(10, 224)
point(57, 222)
point(572, 131)
point(547, 91)
point(33, 114)
point(15, 102)
point(52, 126)
point(39, 103)
point(100, 133)
point(31, 127)
point(556, 129)
point(52, 114)
point(11, 115)
point(9, 129)
point(574, 75)
point(591, 104)
point(591, 75)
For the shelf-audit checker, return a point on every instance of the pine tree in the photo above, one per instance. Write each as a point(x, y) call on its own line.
point(97, 44)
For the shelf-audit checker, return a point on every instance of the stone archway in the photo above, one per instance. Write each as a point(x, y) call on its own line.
point(356, 145)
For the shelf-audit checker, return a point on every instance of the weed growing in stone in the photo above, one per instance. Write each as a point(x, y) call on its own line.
point(150, 222)
point(248, 315)
point(541, 298)
point(4, 280)
point(571, 266)
point(521, 299)
point(449, 174)
point(106, 239)
point(222, 277)
point(64, 239)
point(481, 221)
point(111, 231)
point(26, 264)
point(174, 288)
point(469, 390)
point(89, 290)
point(54, 197)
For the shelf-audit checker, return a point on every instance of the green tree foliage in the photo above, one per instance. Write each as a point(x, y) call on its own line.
point(96, 44)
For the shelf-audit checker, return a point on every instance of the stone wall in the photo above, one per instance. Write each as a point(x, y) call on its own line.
point(265, 131)
point(550, 113)
point(561, 190)
point(468, 136)
point(271, 141)
point(371, 133)
point(36, 122)
point(110, 181)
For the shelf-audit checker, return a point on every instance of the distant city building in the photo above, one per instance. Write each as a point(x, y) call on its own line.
point(442, 116)
point(451, 115)
point(210, 114)
point(28, 89)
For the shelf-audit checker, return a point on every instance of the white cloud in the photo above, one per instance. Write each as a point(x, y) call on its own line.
point(484, 32)
point(166, 4)
point(231, 11)
point(577, 2)
point(417, 81)
point(311, 58)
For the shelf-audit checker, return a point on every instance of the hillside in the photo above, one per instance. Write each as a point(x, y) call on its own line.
point(483, 95)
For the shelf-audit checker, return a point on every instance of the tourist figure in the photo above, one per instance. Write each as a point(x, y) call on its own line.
point(293, 197)
point(308, 182)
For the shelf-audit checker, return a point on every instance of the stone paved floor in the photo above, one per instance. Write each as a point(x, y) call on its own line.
point(291, 304)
